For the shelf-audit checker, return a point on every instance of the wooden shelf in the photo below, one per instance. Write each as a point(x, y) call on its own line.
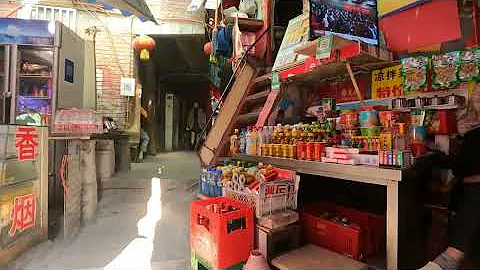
point(315, 257)
point(263, 80)
point(246, 24)
point(310, 49)
point(248, 117)
point(361, 57)
point(67, 136)
point(362, 62)
point(35, 76)
point(33, 97)
point(433, 107)
point(364, 174)
point(258, 96)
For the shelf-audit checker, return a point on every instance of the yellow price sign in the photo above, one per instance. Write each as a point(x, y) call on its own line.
point(387, 82)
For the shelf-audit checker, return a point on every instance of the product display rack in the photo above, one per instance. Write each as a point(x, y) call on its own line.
point(347, 58)
point(364, 174)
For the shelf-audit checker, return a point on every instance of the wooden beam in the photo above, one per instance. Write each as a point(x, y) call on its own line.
point(354, 82)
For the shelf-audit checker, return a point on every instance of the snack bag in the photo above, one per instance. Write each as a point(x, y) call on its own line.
point(445, 69)
point(469, 65)
point(414, 73)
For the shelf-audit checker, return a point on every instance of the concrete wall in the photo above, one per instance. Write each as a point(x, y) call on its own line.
point(8, 9)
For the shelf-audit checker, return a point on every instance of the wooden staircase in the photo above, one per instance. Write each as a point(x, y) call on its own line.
point(241, 108)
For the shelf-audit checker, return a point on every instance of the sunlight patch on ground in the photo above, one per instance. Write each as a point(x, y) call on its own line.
point(138, 253)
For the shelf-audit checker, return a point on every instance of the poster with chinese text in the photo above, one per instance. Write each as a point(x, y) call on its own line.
point(387, 83)
point(296, 35)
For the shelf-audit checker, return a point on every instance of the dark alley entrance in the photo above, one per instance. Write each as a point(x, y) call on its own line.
point(173, 80)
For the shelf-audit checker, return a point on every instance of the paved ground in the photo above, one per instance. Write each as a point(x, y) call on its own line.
point(142, 222)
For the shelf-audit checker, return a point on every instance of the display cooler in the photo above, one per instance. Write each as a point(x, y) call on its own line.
point(41, 70)
point(41, 73)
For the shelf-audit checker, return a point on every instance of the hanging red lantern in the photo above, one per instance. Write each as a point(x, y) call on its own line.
point(144, 44)
point(207, 48)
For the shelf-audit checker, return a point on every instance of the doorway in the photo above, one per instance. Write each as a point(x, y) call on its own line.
point(173, 80)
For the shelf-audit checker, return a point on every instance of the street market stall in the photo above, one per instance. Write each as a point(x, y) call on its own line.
point(342, 106)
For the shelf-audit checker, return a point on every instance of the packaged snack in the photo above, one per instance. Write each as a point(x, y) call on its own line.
point(414, 73)
point(445, 69)
point(469, 65)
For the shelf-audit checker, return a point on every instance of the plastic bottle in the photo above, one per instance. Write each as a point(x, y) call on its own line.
point(219, 184)
point(247, 141)
point(243, 141)
point(234, 143)
point(203, 179)
point(260, 140)
point(211, 182)
point(252, 142)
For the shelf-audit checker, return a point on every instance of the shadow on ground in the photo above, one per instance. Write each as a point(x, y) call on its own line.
point(142, 222)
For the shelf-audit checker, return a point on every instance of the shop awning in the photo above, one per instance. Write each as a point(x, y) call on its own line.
point(128, 7)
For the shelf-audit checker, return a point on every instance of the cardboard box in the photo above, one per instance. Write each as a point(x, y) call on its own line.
point(272, 243)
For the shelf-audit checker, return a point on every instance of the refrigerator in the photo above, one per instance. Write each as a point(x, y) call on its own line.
point(41, 70)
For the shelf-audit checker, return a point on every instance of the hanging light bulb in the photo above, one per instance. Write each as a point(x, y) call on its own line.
point(144, 54)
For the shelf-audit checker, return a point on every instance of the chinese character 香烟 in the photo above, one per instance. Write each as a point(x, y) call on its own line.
point(23, 213)
point(26, 143)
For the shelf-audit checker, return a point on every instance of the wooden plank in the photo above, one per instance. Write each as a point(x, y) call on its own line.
point(226, 118)
point(263, 80)
point(246, 24)
point(72, 201)
point(355, 85)
point(392, 225)
point(310, 49)
point(363, 174)
point(315, 257)
point(267, 108)
point(248, 117)
point(257, 96)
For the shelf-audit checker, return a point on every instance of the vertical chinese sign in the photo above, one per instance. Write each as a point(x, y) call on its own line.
point(26, 143)
point(20, 190)
point(24, 213)
point(387, 83)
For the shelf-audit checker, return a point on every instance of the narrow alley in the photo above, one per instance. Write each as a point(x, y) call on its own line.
point(142, 222)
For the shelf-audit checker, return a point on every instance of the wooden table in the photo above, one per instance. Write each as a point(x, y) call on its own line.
point(364, 174)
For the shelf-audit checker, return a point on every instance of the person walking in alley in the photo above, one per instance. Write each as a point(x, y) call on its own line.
point(197, 119)
point(144, 138)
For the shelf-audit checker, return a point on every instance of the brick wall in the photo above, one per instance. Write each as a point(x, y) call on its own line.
point(114, 59)
point(8, 9)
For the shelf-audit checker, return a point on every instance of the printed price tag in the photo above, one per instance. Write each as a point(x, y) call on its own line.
point(275, 81)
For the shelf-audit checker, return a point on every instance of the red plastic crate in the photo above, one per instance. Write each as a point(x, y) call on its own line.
point(221, 239)
point(346, 240)
point(370, 227)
